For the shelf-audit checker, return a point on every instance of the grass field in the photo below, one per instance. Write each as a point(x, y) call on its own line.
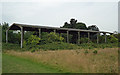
point(13, 64)
point(68, 61)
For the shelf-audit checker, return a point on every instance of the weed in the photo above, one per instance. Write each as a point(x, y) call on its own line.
point(77, 51)
point(86, 51)
point(33, 50)
point(95, 51)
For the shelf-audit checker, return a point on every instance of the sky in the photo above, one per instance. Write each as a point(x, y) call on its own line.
point(46, 13)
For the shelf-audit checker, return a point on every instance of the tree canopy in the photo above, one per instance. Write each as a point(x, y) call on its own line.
point(93, 27)
point(74, 24)
point(79, 25)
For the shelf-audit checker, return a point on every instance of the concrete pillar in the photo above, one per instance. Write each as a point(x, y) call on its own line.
point(67, 36)
point(78, 37)
point(6, 36)
point(98, 37)
point(88, 37)
point(22, 33)
point(40, 33)
point(54, 31)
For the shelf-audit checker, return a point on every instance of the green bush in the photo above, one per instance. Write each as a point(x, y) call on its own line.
point(31, 42)
point(10, 46)
point(83, 40)
point(33, 50)
point(112, 39)
point(64, 35)
point(86, 51)
point(51, 37)
point(95, 51)
point(101, 39)
point(57, 46)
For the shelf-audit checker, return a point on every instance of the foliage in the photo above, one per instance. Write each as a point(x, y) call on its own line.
point(93, 27)
point(86, 51)
point(112, 39)
point(74, 24)
point(14, 36)
point(4, 28)
point(27, 34)
point(33, 50)
point(64, 35)
point(93, 35)
point(83, 40)
point(51, 37)
point(10, 46)
point(95, 51)
point(57, 46)
point(81, 25)
point(101, 39)
point(11, 36)
point(100, 45)
point(32, 41)
point(67, 25)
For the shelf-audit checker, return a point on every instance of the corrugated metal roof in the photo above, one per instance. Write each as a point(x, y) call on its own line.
point(12, 27)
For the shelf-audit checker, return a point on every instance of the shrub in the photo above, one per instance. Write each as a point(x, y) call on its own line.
point(112, 39)
point(33, 50)
point(51, 37)
point(95, 51)
point(101, 39)
point(32, 41)
point(86, 51)
point(57, 46)
point(84, 40)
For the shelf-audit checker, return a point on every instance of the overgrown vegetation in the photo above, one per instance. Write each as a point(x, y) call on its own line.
point(31, 42)
point(55, 41)
point(72, 61)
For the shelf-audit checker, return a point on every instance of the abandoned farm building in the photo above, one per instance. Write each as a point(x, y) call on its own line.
point(39, 29)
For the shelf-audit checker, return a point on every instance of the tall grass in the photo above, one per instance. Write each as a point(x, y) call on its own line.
point(59, 46)
point(77, 61)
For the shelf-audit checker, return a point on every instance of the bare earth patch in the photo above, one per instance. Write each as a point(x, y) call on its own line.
point(105, 61)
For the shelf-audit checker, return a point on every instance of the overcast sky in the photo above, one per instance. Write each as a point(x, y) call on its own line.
point(102, 14)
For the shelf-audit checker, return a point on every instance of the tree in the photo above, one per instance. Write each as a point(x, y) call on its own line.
point(4, 28)
point(93, 27)
point(93, 35)
point(67, 25)
point(73, 23)
point(80, 25)
point(12, 37)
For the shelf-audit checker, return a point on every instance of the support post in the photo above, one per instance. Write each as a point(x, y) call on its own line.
point(54, 31)
point(6, 36)
point(40, 33)
point(78, 37)
point(67, 36)
point(22, 32)
point(98, 37)
point(105, 38)
point(88, 37)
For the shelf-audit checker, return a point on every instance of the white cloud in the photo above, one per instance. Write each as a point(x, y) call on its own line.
point(104, 15)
